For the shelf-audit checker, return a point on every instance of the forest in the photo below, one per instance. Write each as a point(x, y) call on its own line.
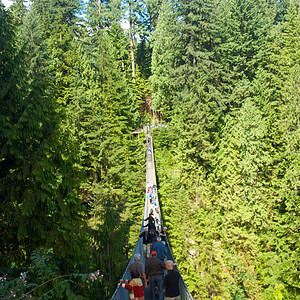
point(78, 77)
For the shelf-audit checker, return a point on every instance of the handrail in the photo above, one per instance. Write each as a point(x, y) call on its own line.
point(120, 293)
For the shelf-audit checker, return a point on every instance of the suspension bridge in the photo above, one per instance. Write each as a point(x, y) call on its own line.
point(120, 293)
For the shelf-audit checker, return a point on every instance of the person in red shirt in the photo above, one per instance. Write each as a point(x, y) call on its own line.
point(134, 286)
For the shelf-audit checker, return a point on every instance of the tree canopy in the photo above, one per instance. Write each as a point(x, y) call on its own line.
point(222, 76)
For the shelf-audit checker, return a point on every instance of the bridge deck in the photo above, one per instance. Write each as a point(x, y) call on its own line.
point(121, 293)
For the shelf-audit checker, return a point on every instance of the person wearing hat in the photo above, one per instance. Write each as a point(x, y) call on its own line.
point(139, 267)
point(154, 270)
point(160, 248)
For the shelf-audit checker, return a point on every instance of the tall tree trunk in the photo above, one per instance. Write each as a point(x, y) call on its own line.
point(99, 11)
point(131, 47)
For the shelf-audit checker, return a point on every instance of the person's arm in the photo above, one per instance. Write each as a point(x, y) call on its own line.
point(125, 286)
point(144, 275)
point(147, 269)
point(145, 280)
point(125, 280)
point(152, 247)
point(163, 265)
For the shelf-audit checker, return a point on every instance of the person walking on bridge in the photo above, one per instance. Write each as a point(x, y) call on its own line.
point(139, 267)
point(163, 235)
point(160, 248)
point(147, 240)
point(134, 286)
point(151, 222)
point(171, 282)
point(154, 270)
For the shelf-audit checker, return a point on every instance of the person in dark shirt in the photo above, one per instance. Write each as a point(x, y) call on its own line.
point(163, 235)
point(151, 222)
point(171, 282)
point(147, 240)
point(154, 269)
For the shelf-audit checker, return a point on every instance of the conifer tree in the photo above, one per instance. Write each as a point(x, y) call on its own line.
point(280, 260)
point(164, 59)
point(18, 10)
point(11, 109)
point(39, 191)
point(243, 27)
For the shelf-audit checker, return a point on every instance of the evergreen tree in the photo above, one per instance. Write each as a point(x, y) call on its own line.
point(279, 259)
point(39, 168)
point(143, 58)
point(18, 10)
point(164, 59)
point(152, 13)
point(100, 115)
point(243, 30)
point(11, 109)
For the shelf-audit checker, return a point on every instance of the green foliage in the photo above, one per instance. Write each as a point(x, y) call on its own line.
point(42, 278)
point(191, 241)
point(165, 49)
point(143, 58)
point(240, 282)
point(232, 82)
point(37, 163)
point(225, 81)
point(66, 121)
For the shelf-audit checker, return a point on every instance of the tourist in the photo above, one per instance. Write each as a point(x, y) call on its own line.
point(134, 286)
point(139, 267)
point(154, 270)
point(171, 282)
point(160, 248)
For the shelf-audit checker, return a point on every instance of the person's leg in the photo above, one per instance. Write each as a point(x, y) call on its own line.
point(160, 288)
point(157, 279)
point(152, 287)
point(148, 251)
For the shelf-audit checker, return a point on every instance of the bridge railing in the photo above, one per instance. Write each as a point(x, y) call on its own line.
point(184, 291)
point(121, 293)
